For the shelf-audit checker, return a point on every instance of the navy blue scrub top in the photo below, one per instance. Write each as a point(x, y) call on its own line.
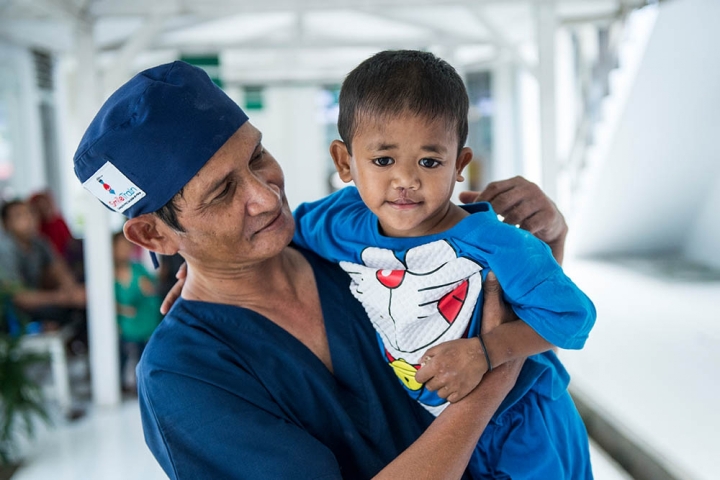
point(227, 394)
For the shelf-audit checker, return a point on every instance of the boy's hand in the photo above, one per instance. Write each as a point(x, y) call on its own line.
point(523, 203)
point(175, 291)
point(453, 368)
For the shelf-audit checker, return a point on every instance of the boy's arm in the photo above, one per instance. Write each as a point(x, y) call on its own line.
point(553, 311)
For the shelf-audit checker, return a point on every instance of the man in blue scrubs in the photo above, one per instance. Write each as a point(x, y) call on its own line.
point(254, 373)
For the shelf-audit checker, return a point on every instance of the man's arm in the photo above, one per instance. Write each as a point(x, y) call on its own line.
point(523, 203)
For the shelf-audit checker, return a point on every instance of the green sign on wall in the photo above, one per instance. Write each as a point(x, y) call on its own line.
point(209, 63)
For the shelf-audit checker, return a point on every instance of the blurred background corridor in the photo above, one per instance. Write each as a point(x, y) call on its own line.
point(611, 106)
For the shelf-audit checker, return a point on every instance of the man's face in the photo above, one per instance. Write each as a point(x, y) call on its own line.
point(21, 222)
point(234, 211)
point(405, 170)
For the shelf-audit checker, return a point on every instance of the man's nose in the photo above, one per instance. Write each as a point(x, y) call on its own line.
point(262, 196)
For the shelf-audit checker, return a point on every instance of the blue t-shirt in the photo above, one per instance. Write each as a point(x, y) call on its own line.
point(226, 393)
point(422, 291)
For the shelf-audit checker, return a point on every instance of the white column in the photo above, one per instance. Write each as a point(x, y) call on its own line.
point(546, 26)
point(102, 324)
point(506, 159)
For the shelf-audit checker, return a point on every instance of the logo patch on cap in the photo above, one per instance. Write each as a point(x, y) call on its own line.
point(113, 188)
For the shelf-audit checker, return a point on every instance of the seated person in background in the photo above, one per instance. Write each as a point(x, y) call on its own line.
point(416, 261)
point(56, 231)
point(44, 287)
point(138, 306)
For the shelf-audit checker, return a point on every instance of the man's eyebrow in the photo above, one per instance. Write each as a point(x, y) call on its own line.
point(214, 188)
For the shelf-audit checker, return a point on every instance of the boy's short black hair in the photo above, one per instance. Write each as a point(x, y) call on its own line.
point(394, 82)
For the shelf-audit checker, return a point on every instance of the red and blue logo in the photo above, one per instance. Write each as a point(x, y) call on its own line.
point(106, 186)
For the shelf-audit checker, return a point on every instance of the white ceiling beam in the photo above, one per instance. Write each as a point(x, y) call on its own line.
point(52, 35)
point(61, 9)
point(501, 40)
point(413, 22)
point(139, 41)
point(229, 7)
point(262, 44)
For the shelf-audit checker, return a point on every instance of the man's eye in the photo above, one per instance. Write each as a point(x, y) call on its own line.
point(225, 191)
point(258, 156)
point(383, 161)
point(429, 163)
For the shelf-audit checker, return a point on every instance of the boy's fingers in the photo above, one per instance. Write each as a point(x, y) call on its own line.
point(171, 297)
point(182, 271)
point(425, 373)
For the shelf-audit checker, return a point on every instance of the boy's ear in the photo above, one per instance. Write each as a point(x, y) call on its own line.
point(150, 232)
point(463, 160)
point(341, 158)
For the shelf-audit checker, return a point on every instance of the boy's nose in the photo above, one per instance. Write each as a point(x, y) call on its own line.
point(406, 178)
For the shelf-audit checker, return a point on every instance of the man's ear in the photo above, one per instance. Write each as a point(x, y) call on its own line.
point(341, 158)
point(150, 232)
point(463, 160)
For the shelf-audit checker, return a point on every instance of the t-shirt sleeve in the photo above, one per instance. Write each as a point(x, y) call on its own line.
point(534, 284)
point(9, 271)
point(336, 227)
point(197, 429)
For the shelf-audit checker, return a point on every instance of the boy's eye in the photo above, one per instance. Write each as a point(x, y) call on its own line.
point(383, 161)
point(429, 163)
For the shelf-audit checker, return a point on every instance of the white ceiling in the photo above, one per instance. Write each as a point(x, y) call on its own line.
point(284, 40)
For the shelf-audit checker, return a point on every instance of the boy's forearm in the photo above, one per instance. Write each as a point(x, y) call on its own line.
point(513, 340)
point(444, 450)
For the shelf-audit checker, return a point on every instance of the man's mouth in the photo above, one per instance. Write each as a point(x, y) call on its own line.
point(272, 222)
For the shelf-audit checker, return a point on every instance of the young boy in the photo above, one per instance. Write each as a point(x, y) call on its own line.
point(417, 262)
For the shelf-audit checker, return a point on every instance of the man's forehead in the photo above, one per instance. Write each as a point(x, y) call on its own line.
point(238, 148)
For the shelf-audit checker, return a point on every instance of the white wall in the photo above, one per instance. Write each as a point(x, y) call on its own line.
point(703, 243)
point(23, 109)
point(293, 133)
point(665, 156)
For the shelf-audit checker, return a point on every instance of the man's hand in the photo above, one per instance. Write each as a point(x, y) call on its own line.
point(455, 368)
point(522, 203)
point(175, 291)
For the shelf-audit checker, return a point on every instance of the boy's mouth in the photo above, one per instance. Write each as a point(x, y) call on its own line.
point(403, 203)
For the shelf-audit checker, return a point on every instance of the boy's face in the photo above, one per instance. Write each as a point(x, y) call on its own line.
point(405, 169)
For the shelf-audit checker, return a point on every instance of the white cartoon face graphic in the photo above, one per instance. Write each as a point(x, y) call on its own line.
point(415, 305)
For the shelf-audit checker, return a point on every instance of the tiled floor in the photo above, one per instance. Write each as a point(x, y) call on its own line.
point(105, 445)
point(109, 445)
point(652, 360)
point(651, 364)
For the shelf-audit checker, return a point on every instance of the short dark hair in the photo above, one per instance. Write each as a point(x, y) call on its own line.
point(394, 82)
point(168, 212)
point(7, 206)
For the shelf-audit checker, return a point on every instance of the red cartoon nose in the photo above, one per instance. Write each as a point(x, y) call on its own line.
point(390, 278)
